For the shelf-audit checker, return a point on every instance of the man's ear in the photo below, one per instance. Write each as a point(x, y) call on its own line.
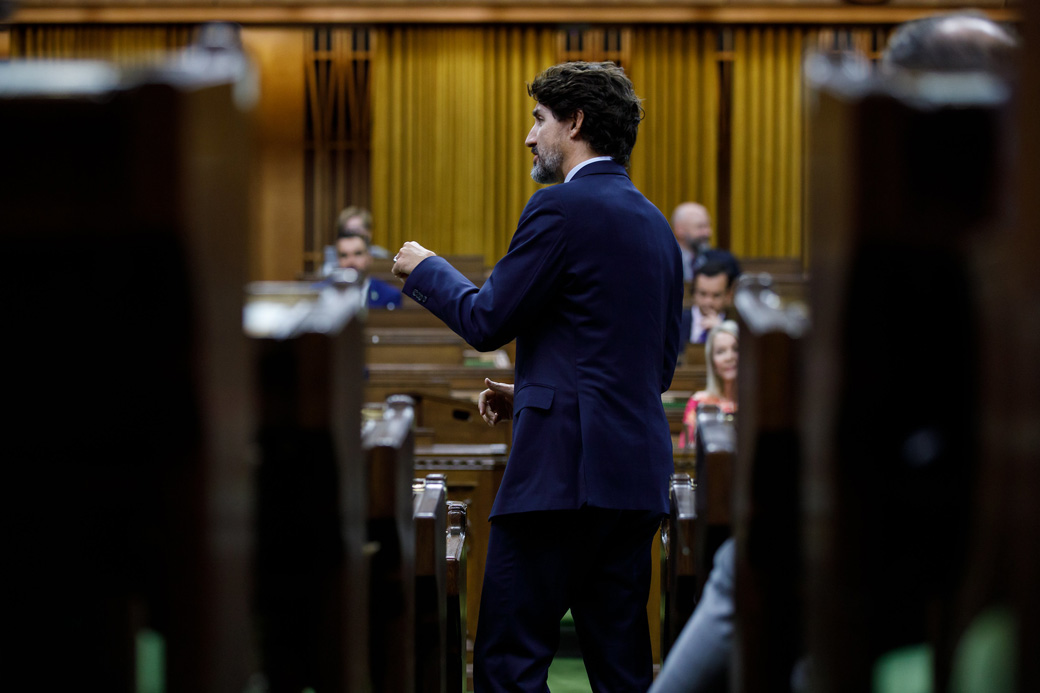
point(579, 118)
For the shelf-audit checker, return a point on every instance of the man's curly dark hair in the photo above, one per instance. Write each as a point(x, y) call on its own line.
point(604, 94)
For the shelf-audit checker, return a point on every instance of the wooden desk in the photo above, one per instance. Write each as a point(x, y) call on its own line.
point(466, 382)
point(422, 344)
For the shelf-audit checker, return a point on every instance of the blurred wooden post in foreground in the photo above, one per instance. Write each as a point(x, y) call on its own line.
point(389, 448)
point(312, 587)
point(907, 190)
point(769, 623)
point(127, 502)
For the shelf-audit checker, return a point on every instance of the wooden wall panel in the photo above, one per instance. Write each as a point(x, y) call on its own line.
point(674, 71)
point(277, 238)
point(768, 112)
point(294, 12)
point(450, 114)
point(406, 6)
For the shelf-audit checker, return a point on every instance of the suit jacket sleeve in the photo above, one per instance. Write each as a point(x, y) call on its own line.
point(491, 316)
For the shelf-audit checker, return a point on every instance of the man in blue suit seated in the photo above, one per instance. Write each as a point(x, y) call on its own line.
point(353, 252)
point(591, 289)
point(712, 293)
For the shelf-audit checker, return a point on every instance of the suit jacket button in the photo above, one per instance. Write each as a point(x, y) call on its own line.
point(418, 296)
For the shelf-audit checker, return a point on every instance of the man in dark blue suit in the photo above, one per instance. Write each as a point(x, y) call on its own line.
point(591, 289)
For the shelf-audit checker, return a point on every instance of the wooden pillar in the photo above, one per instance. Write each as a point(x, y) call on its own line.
point(276, 240)
point(389, 448)
point(128, 496)
point(312, 586)
point(892, 394)
point(768, 635)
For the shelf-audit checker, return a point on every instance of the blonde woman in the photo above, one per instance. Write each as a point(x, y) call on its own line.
point(721, 356)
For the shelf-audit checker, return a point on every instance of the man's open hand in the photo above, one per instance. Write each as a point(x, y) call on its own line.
point(496, 402)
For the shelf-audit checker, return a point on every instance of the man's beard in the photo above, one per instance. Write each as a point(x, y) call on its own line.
point(549, 166)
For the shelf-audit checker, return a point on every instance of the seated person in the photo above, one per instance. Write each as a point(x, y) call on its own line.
point(721, 357)
point(691, 225)
point(712, 290)
point(352, 251)
point(699, 660)
point(359, 220)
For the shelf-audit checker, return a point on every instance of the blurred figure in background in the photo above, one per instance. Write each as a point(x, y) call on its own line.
point(691, 225)
point(721, 356)
point(353, 252)
point(358, 220)
point(712, 294)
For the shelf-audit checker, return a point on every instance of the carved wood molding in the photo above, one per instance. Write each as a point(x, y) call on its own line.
point(488, 12)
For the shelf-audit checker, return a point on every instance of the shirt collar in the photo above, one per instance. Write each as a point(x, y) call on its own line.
point(583, 165)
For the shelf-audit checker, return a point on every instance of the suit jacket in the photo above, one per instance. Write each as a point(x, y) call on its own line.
point(379, 294)
point(591, 289)
point(382, 295)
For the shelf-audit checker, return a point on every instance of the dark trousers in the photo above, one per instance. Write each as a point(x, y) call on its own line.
point(595, 562)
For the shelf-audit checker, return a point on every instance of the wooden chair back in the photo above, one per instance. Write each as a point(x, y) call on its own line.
point(388, 444)
point(679, 577)
point(312, 586)
point(431, 584)
point(768, 628)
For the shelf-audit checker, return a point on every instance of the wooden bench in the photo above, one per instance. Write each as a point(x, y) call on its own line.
point(471, 266)
point(466, 382)
point(426, 345)
point(692, 356)
point(408, 315)
point(787, 277)
point(452, 421)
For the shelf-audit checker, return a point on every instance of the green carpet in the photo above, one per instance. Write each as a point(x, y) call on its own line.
point(567, 675)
